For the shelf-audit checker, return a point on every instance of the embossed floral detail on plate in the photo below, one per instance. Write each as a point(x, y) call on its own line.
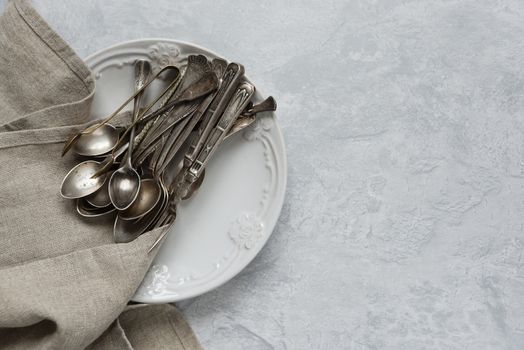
point(246, 230)
point(256, 130)
point(156, 280)
point(164, 54)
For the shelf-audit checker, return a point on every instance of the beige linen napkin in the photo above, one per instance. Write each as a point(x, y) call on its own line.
point(63, 282)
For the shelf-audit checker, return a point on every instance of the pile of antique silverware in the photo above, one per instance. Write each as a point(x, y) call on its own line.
point(141, 171)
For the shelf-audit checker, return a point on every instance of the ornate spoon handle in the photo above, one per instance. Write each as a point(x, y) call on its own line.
point(231, 113)
point(164, 101)
point(229, 83)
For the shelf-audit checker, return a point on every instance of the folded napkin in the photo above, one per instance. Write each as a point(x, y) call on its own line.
point(64, 284)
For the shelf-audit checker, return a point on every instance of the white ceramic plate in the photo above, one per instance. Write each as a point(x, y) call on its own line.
point(225, 224)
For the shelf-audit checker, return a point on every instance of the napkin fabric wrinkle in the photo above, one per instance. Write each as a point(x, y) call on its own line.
point(64, 284)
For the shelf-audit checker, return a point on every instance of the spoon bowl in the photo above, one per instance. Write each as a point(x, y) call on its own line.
point(124, 186)
point(79, 181)
point(99, 142)
point(148, 196)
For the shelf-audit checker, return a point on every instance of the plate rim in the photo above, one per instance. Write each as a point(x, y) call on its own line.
point(280, 195)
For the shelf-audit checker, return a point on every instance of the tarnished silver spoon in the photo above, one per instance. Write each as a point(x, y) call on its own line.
point(124, 183)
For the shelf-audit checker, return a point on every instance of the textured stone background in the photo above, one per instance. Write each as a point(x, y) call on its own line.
point(404, 123)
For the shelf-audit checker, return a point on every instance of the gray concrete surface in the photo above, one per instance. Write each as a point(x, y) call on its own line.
point(404, 124)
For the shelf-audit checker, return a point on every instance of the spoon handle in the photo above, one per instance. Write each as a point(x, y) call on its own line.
point(231, 113)
point(164, 101)
point(230, 81)
point(142, 71)
point(175, 143)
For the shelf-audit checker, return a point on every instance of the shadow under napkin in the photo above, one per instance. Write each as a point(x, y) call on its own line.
point(63, 282)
